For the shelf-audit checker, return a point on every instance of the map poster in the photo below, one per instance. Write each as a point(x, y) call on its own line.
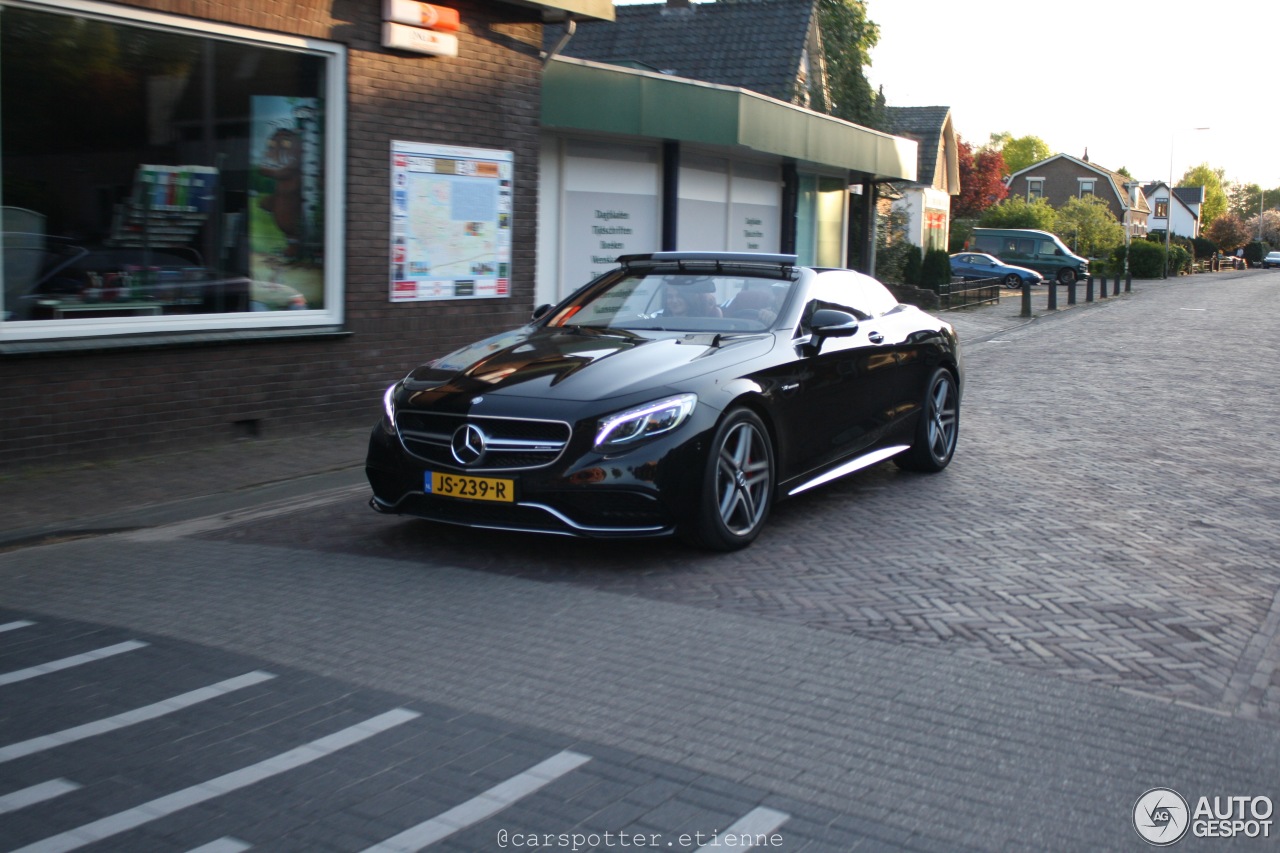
point(450, 222)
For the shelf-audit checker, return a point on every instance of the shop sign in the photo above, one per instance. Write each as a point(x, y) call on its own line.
point(415, 14)
point(416, 40)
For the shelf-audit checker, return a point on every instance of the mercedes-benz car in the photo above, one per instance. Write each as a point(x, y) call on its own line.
point(973, 266)
point(680, 393)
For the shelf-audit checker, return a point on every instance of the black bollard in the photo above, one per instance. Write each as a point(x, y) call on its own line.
point(1102, 287)
point(1115, 291)
point(1026, 298)
point(1088, 289)
point(1053, 294)
point(1128, 282)
point(1071, 292)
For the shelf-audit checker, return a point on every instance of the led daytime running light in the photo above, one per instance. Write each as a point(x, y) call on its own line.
point(644, 422)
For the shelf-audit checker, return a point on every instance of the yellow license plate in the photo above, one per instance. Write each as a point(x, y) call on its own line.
point(473, 488)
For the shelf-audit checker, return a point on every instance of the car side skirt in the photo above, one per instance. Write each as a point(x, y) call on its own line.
point(864, 461)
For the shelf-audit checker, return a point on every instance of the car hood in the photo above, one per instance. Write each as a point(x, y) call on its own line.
point(579, 364)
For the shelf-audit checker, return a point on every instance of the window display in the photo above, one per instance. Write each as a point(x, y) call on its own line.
point(157, 177)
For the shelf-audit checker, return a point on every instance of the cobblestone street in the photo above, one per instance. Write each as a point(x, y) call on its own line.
point(1004, 656)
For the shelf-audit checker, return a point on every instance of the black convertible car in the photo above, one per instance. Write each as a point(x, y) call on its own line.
point(683, 392)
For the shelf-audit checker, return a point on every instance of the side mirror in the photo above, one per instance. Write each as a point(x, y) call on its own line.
point(541, 311)
point(829, 323)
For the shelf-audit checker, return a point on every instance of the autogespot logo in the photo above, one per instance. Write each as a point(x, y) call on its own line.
point(1161, 817)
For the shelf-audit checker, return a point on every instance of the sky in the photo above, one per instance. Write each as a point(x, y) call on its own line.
point(1096, 75)
point(1128, 80)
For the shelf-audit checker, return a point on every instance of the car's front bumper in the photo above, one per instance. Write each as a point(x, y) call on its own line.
point(645, 492)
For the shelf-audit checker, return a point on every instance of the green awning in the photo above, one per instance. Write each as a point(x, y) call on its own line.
point(592, 96)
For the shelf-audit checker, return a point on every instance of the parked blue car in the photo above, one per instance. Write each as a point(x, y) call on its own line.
point(970, 266)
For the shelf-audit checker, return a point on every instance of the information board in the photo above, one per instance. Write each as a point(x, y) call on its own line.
point(451, 222)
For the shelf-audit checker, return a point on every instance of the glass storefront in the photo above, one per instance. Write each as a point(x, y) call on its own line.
point(161, 175)
point(820, 220)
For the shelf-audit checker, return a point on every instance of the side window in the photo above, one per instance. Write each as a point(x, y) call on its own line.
point(858, 294)
point(985, 243)
point(1048, 249)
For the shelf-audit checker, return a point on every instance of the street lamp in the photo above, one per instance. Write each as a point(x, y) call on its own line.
point(1168, 210)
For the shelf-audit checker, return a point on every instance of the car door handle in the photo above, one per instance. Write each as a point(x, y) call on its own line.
point(875, 337)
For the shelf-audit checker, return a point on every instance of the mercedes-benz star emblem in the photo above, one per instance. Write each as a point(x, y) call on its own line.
point(467, 444)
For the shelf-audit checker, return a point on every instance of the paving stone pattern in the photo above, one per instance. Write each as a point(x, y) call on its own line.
point(1111, 516)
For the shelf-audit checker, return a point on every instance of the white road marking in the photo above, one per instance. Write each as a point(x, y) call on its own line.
point(129, 718)
point(66, 663)
point(35, 794)
point(482, 806)
point(13, 626)
point(756, 825)
point(222, 845)
point(169, 804)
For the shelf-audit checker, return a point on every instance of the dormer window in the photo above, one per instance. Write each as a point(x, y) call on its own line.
point(1086, 187)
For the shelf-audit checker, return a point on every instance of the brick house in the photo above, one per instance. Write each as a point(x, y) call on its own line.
point(1063, 177)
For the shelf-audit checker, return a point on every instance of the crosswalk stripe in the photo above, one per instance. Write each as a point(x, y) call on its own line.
point(482, 806)
point(164, 806)
point(13, 626)
point(35, 794)
point(756, 825)
point(129, 718)
point(66, 663)
point(222, 845)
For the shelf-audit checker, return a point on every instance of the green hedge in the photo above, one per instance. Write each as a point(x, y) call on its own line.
point(1146, 260)
point(935, 270)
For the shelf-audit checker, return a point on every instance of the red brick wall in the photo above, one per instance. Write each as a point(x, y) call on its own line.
point(1062, 184)
point(113, 401)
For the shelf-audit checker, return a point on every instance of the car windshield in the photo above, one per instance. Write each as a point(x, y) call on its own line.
point(679, 301)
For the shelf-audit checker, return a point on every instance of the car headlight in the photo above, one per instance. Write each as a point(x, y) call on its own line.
point(628, 428)
point(389, 407)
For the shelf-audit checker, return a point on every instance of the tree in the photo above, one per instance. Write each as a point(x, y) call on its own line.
point(1229, 232)
point(1017, 212)
point(981, 180)
point(847, 38)
point(1215, 197)
point(1270, 230)
point(1020, 152)
point(1245, 200)
point(1088, 226)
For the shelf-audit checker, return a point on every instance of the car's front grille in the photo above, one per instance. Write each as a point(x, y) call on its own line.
point(501, 443)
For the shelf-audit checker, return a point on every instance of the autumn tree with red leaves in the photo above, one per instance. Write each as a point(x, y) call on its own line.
point(981, 180)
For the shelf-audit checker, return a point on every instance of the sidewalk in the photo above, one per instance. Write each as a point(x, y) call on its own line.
point(123, 491)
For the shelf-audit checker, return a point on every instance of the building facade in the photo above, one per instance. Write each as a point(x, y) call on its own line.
point(247, 218)
point(1063, 177)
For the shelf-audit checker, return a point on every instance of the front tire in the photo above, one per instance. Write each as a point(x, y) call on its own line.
point(938, 428)
point(737, 487)
point(1012, 280)
point(1066, 276)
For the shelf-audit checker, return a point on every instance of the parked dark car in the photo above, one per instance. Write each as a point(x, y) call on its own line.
point(1271, 259)
point(682, 392)
point(972, 266)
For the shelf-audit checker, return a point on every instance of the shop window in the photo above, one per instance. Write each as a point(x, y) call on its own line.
point(156, 177)
point(820, 220)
